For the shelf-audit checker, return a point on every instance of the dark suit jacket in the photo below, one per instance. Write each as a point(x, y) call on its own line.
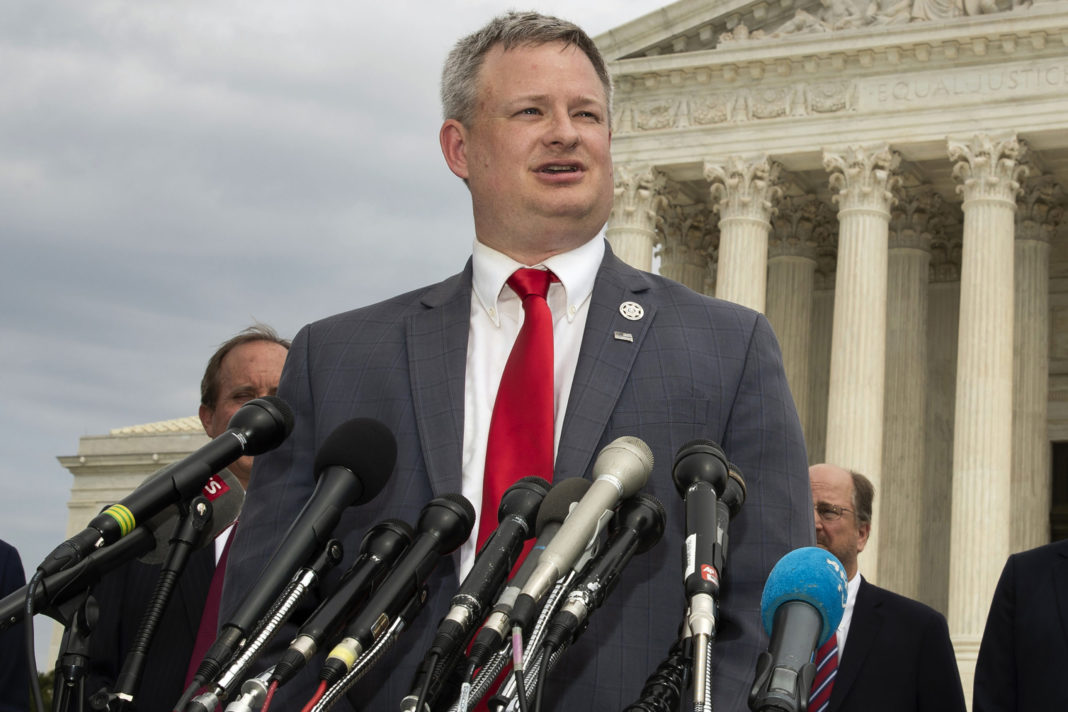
point(694, 367)
point(14, 665)
point(1023, 659)
point(123, 595)
point(897, 658)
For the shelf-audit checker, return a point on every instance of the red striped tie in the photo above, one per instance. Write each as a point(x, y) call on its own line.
point(520, 440)
point(826, 669)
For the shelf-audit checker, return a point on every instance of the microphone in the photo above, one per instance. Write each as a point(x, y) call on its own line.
point(562, 497)
point(444, 524)
point(700, 474)
point(516, 517)
point(257, 426)
point(352, 466)
point(637, 526)
point(801, 607)
point(380, 549)
point(149, 542)
point(620, 470)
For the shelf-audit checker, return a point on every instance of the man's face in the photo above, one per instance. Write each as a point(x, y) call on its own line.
point(250, 370)
point(536, 154)
point(843, 537)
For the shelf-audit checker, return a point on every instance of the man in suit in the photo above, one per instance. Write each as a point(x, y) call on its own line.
point(526, 101)
point(246, 366)
point(14, 664)
point(1024, 653)
point(893, 653)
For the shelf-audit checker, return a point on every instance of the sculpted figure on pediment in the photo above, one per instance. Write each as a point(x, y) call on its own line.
point(889, 12)
point(832, 15)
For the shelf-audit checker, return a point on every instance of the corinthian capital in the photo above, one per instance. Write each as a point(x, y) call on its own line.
point(639, 196)
point(800, 226)
point(744, 187)
point(863, 176)
point(988, 167)
point(919, 216)
point(1040, 208)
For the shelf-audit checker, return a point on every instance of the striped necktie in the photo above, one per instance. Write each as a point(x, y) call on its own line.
point(826, 669)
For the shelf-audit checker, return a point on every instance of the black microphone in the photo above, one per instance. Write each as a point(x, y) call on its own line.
point(516, 517)
point(352, 466)
point(444, 524)
point(380, 549)
point(620, 470)
point(700, 474)
point(727, 507)
point(637, 526)
point(149, 542)
point(257, 426)
point(801, 607)
point(562, 497)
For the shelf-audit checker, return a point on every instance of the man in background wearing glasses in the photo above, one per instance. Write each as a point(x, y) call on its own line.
point(890, 653)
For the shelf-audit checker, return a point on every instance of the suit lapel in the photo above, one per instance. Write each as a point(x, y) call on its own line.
point(437, 358)
point(863, 630)
point(609, 346)
point(193, 587)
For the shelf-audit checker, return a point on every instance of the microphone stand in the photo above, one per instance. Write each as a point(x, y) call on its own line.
point(79, 616)
point(227, 680)
point(373, 654)
point(194, 521)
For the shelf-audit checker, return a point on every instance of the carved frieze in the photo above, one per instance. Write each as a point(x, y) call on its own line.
point(741, 105)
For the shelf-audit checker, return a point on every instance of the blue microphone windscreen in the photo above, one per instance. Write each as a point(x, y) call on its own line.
point(812, 575)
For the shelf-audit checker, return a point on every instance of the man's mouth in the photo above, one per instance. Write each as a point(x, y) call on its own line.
point(557, 168)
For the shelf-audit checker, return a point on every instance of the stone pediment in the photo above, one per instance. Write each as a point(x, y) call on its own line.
point(690, 26)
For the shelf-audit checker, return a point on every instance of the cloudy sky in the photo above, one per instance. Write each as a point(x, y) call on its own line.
point(172, 171)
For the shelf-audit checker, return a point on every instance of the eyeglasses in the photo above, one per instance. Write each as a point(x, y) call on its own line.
point(831, 512)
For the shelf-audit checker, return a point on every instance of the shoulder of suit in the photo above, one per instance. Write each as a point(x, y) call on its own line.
point(389, 310)
point(902, 605)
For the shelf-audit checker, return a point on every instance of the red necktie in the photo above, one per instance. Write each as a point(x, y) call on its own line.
point(521, 429)
point(826, 669)
point(209, 619)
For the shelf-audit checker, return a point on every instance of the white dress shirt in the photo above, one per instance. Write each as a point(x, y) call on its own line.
point(847, 614)
point(496, 317)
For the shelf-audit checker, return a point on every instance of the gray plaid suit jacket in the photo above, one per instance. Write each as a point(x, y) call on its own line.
point(693, 367)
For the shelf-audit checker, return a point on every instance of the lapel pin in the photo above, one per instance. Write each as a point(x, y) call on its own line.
point(631, 310)
point(623, 336)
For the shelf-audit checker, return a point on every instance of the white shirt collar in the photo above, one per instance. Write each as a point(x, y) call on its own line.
point(576, 270)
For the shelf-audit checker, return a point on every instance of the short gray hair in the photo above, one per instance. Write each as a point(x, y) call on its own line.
point(459, 78)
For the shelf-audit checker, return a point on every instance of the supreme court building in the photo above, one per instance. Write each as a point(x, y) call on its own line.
point(884, 182)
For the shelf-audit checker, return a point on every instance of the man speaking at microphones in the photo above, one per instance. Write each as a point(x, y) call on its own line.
point(245, 367)
point(544, 349)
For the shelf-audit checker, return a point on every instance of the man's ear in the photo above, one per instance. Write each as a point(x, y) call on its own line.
point(863, 532)
point(453, 138)
point(206, 414)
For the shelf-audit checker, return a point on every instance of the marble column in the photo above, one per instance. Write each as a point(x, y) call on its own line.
point(862, 178)
point(943, 317)
point(1038, 213)
point(797, 230)
point(988, 171)
point(631, 229)
point(917, 213)
point(744, 191)
point(687, 242)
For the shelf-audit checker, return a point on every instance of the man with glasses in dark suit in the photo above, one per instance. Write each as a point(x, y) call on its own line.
point(890, 653)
